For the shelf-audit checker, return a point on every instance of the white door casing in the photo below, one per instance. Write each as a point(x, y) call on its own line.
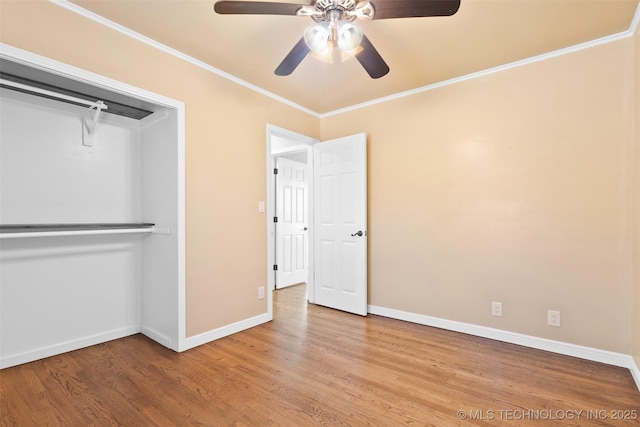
point(293, 220)
point(340, 223)
point(283, 142)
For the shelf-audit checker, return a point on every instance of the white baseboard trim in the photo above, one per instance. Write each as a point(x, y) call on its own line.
point(224, 331)
point(191, 342)
point(41, 353)
point(156, 336)
point(583, 352)
point(635, 372)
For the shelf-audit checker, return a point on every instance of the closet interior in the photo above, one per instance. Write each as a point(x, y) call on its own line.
point(90, 215)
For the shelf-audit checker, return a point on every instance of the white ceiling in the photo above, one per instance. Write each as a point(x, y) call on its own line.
point(419, 51)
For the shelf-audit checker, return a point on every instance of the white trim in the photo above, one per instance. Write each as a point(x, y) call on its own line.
point(567, 349)
point(215, 334)
point(635, 372)
point(182, 227)
point(52, 66)
point(41, 353)
point(126, 31)
point(144, 39)
point(156, 336)
point(271, 253)
point(527, 61)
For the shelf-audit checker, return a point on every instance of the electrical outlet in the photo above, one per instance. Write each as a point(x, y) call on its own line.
point(553, 318)
point(261, 292)
point(496, 309)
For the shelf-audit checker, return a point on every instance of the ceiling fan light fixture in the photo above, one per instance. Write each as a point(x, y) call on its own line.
point(317, 37)
point(308, 11)
point(327, 55)
point(364, 10)
point(349, 37)
point(346, 55)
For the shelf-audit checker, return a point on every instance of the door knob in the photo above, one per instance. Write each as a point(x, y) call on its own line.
point(359, 233)
point(305, 229)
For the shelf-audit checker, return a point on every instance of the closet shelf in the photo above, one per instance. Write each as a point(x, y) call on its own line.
point(11, 231)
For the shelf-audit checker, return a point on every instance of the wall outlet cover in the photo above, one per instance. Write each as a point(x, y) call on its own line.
point(496, 308)
point(553, 318)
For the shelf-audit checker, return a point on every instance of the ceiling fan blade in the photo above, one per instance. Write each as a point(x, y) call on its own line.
point(387, 9)
point(371, 60)
point(293, 58)
point(256, 8)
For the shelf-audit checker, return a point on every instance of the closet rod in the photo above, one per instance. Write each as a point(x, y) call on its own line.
point(98, 104)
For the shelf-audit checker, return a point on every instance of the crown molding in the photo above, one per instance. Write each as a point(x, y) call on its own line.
point(144, 39)
point(500, 68)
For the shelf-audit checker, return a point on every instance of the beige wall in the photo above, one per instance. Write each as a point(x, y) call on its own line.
point(512, 187)
point(225, 151)
point(635, 318)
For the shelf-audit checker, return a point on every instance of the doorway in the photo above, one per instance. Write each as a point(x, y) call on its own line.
point(336, 209)
point(289, 209)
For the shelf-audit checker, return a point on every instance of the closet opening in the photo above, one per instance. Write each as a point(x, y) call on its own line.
point(91, 210)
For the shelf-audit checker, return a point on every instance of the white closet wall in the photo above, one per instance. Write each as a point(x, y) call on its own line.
point(47, 175)
point(60, 293)
point(161, 300)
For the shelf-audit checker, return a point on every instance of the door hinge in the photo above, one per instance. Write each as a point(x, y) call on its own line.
point(275, 267)
point(275, 219)
point(275, 171)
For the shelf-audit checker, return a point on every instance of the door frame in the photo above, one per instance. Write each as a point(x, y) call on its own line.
point(274, 132)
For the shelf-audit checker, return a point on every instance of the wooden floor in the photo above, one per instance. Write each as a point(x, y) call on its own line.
point(316, 366)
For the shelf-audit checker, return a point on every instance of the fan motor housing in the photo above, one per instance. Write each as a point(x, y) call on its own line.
point(325, 6)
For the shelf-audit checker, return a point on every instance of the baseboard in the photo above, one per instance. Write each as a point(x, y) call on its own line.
point(224, 331)
point(41, 353)
point(583, 352)
point(635, 371)
point(157, 336)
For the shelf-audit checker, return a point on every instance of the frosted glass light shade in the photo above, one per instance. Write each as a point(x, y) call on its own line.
point(349, 36)
point(317, 37)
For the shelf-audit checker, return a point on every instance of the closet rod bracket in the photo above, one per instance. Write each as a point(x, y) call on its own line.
point(89, 127)
point(95, 108)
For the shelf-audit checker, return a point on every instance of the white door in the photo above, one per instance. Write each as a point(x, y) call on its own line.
point(292, 244)
point(340, 223)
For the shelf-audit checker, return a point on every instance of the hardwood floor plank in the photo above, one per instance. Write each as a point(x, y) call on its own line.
point(316, 366)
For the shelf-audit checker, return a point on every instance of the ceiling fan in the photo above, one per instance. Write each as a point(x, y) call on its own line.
point(334, 32)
